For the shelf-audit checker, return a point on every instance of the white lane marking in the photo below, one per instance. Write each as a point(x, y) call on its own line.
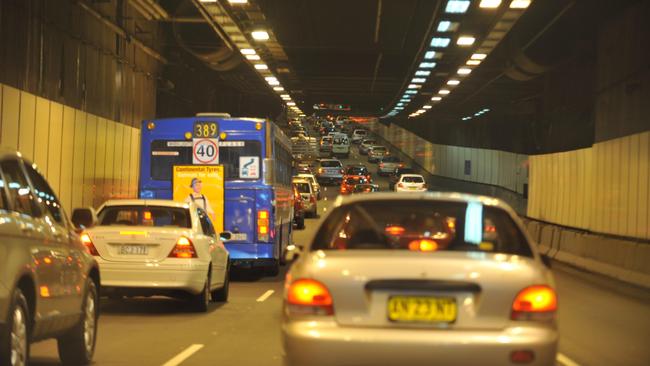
point(564, 360)
point(187, 353)
point(265, 296)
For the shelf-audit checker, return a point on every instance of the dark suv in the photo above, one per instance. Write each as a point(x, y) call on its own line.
point(49, 282)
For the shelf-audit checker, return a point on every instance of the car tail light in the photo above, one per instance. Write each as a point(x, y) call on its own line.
point(320, 170)
point(400, 185)
point(263, 225)
point(401, 165)
point(307, 296)
point(537, 302)
point(522, 356)
point(341, 171)
point(381, 165)
point(183, 249)
point(423, 245)
point(88, 243)
point(424, 185)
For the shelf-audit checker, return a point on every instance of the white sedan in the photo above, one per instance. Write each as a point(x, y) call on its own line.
point(159, 247)
point(411, 183)
point(398, 279)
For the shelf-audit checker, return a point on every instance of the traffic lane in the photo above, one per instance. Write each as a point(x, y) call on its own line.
point(602, 321)
point(152, 331)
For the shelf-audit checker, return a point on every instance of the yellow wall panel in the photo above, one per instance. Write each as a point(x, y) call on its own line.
point(41, 133)
point(117, 160)
point(27, 121)
point(67, 156)
point(90, 162)
point(100, 162)
point(79, 147)
point(109, 176)
point(633, 186)
point(10, 117)
point(54, 147)
point(643, 195)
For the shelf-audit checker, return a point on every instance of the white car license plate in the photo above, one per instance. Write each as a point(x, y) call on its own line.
point(239, 236)
point(134, 250)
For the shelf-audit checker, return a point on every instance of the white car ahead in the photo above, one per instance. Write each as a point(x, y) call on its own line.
point(397, 279)
point(159, 247)
point(411, 183)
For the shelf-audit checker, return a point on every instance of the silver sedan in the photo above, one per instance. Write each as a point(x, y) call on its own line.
point(419, 279)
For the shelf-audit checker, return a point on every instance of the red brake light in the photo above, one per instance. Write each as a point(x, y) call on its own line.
point(307, 296)
point(394, 230)
point(320, 170)
point(88, 243)
point(400, 185)
point(183, 249)
point(423, 245)
point(263, 225)
point(381, 165)
point(537, 302)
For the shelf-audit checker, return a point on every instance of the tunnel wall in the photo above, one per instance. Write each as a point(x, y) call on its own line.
point(85, 158)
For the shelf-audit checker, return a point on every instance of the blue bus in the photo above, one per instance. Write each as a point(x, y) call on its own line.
point(258, 211)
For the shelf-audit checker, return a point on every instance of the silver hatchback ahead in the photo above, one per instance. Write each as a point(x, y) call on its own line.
point(49, 283)
point(396, 279)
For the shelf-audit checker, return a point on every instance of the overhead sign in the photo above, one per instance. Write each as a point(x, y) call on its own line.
point(249, 167)
point(205, 151)
point(208, 194)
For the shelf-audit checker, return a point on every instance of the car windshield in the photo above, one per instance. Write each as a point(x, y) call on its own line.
point(302, 187)
point(390, 159)
point(364, 188)
point(377, 149)
point(426, 226)
point(356, 170)
point(330, 164)
point(412, 179)
point(156, 216)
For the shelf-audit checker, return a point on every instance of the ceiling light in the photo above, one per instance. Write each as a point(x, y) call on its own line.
point(453, 82)
point(273, 82)
point(436, 99)
point(248, 51)
point(464, 71)
point(430, 55)
point(427, 65)
point(423, 73)
point(400, 104)
point(261, 67)
point(414, 86)
point(270, 78)
point(457, 6)
point(479, 56)
point(428, 106)
point(443, 91)
point(253, 57)
point(291, 104)
point(420, 111)
point(519, 4)
point(411, 91)
point(465, 41)
point(238, 1)
point(207, 1)
point(440, 42)
point(444, 26)
point(285, 96)
point(405, 100)
point(490, 4)
point(399, 108)
point(473, 62)
point(260, 35)
point(278, 88)
point(418, 80)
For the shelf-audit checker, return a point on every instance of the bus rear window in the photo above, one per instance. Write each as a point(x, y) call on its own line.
point(165, 154)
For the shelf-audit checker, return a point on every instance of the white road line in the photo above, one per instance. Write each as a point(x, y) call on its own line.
point(564, 360)
point(187, 353)
point(265, 296)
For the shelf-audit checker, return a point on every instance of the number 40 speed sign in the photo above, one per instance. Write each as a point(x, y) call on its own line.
point(205, 151)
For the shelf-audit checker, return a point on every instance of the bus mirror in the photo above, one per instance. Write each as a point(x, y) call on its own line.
point(268, 171)
point(84, 218)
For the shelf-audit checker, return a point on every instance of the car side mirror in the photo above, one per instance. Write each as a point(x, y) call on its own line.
point(84, 218)
point(546, 260)
point(225, 236)
point(292, 252)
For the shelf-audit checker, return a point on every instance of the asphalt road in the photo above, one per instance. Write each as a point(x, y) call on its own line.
point(602, 322)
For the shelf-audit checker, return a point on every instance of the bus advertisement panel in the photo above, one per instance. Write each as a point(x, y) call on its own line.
point(204, 185)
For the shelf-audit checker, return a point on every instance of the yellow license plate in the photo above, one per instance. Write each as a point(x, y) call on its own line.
point(415, 309)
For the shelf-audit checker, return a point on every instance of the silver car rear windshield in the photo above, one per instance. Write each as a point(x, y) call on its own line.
point(412, 180)
point(156, 216)
point(424, 226)
point(330, 164)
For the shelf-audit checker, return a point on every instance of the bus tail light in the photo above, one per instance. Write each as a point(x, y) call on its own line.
point(537, 302)
point(307, 296)
point(263, 225)
point(88, 243)
point(183, 249)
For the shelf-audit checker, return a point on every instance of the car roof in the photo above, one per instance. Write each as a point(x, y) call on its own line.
point(145, 202)
point(322, 160)
point(412, 175)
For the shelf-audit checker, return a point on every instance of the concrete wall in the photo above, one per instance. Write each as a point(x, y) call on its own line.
point(602, 189)
point(87, 159)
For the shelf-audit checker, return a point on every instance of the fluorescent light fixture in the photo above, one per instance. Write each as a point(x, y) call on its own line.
point(457, 6)
point(248, 51)
point(427, 65)
point(253, 57)
point(414, 86)
point(429, 55)
point(519, 4)
point(260, 35)
point(453, 82)
point(443, 91)
point(464, 71)
point(444, 25)
point(399, 108)
point(405, 100)
point(477, 114)
point(479, 56)
point(490, 4)
point(440, 42)
point(285, 96)
point(473, 62)
point(278, 88)
point(270, 78)
point(207, 1)
point(486, 109)
point(273, 82)
point(428, 106)
point(400, 104)
point(436, 99)
point(411, 91)
point(465, 40)
point(238, 1)
point(420, 111)
point(418, 80)
point(261, 67)
point(422, 73)
point(291, 104)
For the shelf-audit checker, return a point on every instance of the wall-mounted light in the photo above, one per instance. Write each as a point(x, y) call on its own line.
point(465, 40)
point(260, 35)
point(261, 67)
point(453, 82)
